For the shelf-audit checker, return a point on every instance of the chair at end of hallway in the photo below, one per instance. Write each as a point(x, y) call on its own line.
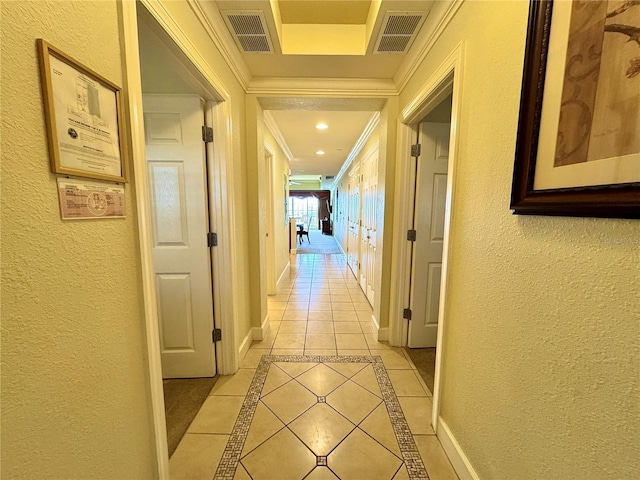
point(301, 232)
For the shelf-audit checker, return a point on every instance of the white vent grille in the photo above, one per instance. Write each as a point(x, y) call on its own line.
point(398, 31)
point(249, 30)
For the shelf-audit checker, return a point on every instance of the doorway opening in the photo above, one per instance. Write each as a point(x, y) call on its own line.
point(159, 62)
point(429, 208)
point(445, 85)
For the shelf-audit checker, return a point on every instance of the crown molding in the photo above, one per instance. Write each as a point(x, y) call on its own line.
point(213, 25)
point(271, 125)
point(323, 87)
point(419, 52)
point(364, 137)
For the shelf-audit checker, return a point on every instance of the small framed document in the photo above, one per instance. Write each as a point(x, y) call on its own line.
point(89, 199)
point(83, 118)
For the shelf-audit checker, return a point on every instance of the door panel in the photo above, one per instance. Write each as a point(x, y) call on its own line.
point(181, 258)
point(353, 241)
point(176, 320)
point(431, 194)
point(369, 225)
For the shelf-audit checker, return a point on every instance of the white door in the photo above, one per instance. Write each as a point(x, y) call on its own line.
point(364, 208)
point(369, 222)
point(431, 192)
point(353, 220)
point(181, 258)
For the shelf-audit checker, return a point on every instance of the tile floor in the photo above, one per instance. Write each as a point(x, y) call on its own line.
point(294, 415)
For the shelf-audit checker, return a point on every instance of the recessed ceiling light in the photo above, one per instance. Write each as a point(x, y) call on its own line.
point(322, 126)
point(319, 152)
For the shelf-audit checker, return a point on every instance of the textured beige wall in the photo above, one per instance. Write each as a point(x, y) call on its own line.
point(74, 400)
point(281, 228)
point(386, 192)
point(256, 210)
point(541, 364)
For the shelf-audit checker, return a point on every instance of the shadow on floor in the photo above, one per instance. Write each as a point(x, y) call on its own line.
point(183, 397)
point(425, 361)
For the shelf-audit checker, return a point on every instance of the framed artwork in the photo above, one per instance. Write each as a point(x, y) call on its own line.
point(83, 118)
point(578, 144)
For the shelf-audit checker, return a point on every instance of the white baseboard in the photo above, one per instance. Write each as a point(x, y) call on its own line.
point(383, 334)
point(457, 457)
point(261, 332)
point(244, 346)
point(285, 270)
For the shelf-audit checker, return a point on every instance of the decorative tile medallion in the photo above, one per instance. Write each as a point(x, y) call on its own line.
point(233, 451)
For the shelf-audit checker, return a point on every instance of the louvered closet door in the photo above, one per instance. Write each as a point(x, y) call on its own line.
point(353, 242)
point(369, 223)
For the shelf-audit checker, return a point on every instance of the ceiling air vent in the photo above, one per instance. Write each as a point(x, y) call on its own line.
point(249, 30)
point(398, 31)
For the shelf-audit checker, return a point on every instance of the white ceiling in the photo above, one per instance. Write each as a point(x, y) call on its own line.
point(296, 117)
point(304, 139)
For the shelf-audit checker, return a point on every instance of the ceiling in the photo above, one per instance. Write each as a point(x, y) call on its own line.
point(328, 39)
point(298, 127)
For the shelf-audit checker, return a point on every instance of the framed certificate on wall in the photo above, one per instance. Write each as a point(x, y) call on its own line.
point(83, 118)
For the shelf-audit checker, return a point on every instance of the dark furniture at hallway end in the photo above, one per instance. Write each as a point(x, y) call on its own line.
point(301, 232)
point(327, 227)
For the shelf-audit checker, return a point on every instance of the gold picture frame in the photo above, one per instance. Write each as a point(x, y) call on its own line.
point(577, 150)
point(83, 118)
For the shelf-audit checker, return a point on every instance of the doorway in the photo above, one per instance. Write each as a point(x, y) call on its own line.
point(430, 186)
point(180, 201)
point(445, 82)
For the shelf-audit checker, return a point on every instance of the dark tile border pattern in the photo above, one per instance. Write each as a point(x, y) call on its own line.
point(232, 452)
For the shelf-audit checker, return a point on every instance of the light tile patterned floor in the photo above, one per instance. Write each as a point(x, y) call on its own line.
point(290, 414)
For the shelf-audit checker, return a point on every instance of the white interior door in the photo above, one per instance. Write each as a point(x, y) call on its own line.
point(431, 192)
point(369, 224)
point(182, 260)
point(353, 220)
point(365, 206)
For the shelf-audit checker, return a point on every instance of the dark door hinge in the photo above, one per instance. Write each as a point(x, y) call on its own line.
point(207, 134)
point(212, 239)
point(411, 235)
point(415, 150)
point(406, 314)
point(216, 335)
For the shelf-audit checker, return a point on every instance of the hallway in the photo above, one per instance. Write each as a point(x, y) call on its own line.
point(294, 415)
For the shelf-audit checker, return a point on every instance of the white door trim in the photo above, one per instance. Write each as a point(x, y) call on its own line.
point(133, 94)
point(223, 256)
point(446, 77)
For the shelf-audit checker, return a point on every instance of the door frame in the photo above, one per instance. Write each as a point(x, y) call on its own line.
point(446, 80)
point(270, 246)
point(217, 114)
